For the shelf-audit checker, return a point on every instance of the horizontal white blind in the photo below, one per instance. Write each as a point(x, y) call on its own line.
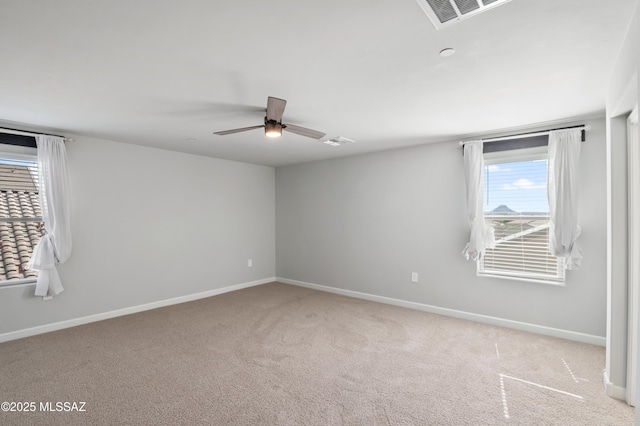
point(18, 175)
point(522, 248)
point(516, 206)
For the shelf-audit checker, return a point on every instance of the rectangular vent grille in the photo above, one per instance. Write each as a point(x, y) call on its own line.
point(446, 12)
point(443, 10)
point(466, 6)
point(337, 141)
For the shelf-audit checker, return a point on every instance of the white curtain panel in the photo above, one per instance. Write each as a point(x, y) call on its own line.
point(482, 236)
point(55, 246)
point(562, 189)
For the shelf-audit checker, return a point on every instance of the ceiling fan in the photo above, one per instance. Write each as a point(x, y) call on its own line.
point(273, 125)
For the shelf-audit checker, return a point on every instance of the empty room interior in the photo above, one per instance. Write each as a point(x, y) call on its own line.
point(387, 212)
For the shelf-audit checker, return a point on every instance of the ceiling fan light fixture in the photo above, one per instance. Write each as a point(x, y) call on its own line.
point(272, 130)
point(273, 123)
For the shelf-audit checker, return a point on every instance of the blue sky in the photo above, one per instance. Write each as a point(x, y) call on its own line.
point(15, 162)
point(521, 186)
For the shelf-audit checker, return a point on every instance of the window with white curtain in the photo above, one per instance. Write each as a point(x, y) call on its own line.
point(21, 225)
point(515, 204)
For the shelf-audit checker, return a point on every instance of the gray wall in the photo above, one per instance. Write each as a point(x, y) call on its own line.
point(150, 225)
point(364, 223)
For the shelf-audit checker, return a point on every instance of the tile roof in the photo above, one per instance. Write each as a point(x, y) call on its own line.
point(18, 199)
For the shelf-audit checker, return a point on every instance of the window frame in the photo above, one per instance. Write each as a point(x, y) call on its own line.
point(514, 156)
point(18, 153)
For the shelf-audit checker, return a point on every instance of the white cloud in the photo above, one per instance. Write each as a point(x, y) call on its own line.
point(496, 168)
point(523, 183)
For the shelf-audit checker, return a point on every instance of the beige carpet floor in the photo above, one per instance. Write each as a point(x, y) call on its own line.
point(283, 355)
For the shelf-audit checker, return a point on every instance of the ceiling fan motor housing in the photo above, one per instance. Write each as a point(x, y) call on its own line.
point(272, 128)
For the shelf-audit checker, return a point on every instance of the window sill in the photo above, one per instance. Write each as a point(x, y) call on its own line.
point(17, 283)
point(555, 283)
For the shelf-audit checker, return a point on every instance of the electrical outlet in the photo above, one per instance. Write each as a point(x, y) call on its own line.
point(414, 277)
point(250, 263)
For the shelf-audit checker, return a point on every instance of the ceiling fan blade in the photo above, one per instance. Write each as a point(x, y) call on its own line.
point(303, 131)
point(242, 129)
point(275, 108)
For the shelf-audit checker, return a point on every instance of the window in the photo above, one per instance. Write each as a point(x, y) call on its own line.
point(516, 206)
point(21, 225)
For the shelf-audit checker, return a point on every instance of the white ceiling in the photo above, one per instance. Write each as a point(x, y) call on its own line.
point(157, 73)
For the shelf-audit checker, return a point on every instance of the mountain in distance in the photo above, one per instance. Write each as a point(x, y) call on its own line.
point(502, 209)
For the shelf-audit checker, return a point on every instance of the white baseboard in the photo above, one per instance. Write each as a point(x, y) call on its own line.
point(612, 390)
point(19, 334)
point(540, 329)
point(548, 331)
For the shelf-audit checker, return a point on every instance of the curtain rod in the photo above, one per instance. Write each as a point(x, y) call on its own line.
point(529, 135)
point(23, 133)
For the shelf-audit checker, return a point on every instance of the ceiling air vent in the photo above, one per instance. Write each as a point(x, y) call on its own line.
point(446, 12)
point(337, 141)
